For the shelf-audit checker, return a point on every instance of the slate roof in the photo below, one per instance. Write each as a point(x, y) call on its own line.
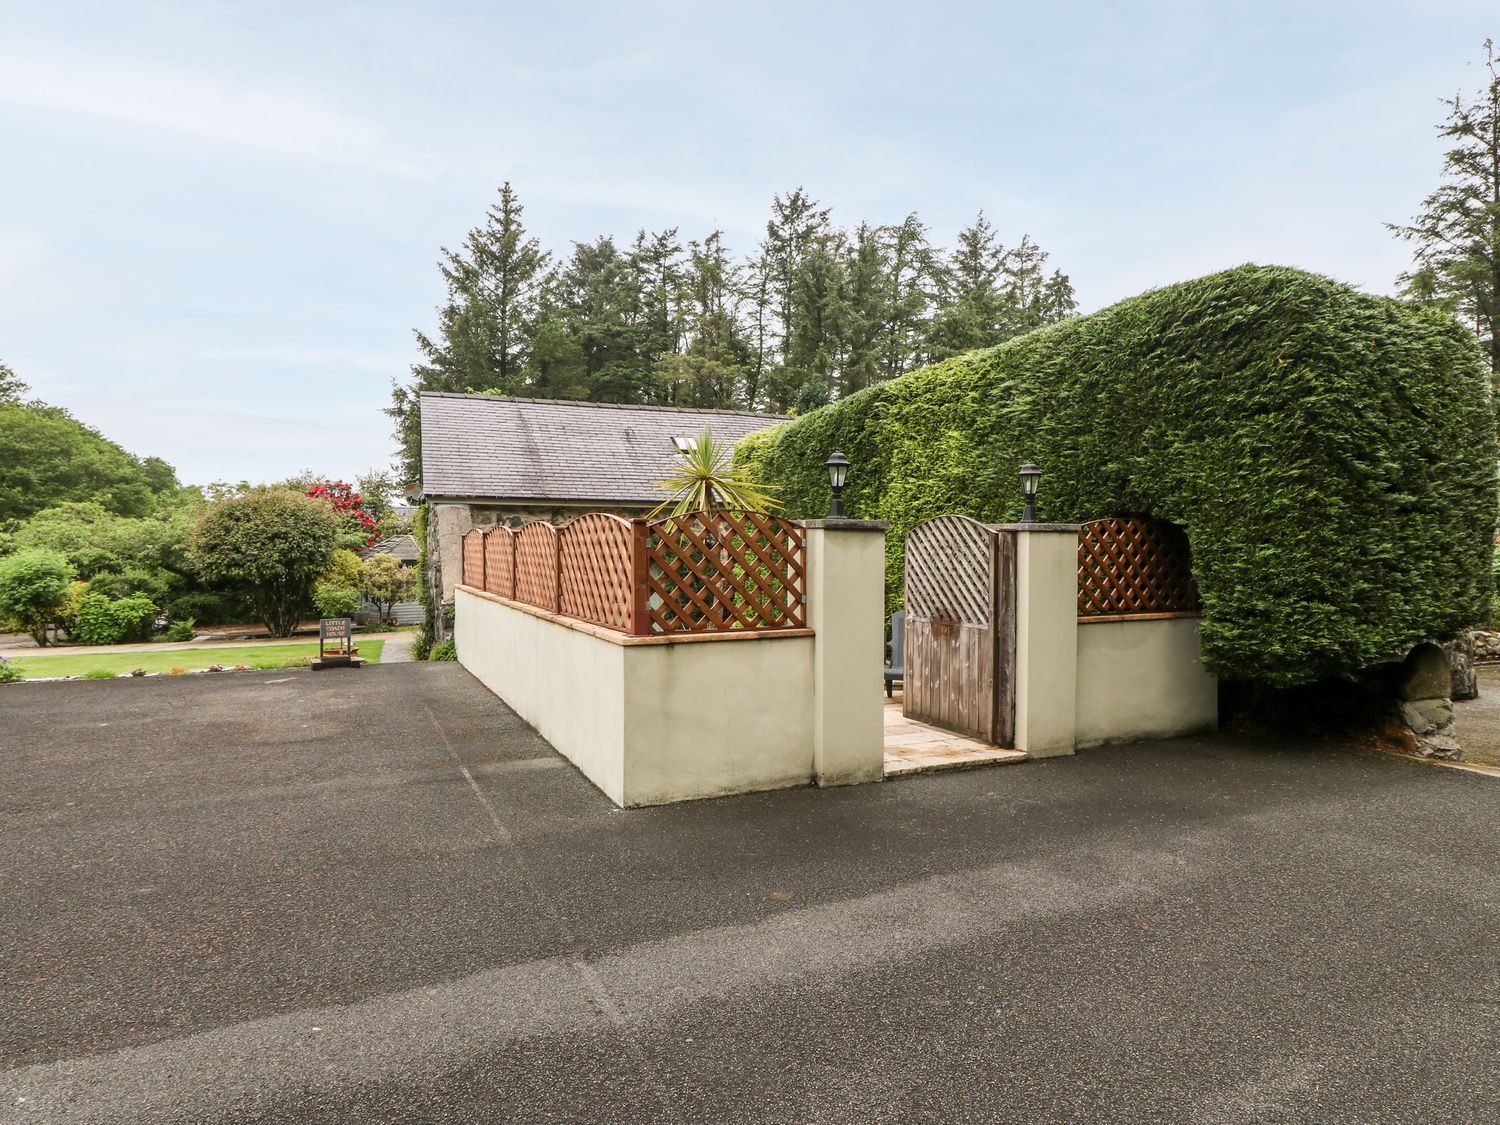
point(485, 446)
point(404, 547)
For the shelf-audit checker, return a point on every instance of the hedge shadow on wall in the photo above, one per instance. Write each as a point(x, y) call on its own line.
point(1330, 454)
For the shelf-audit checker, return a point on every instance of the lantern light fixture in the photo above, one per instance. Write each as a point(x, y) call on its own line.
point(1031, 476)
point(838, 472)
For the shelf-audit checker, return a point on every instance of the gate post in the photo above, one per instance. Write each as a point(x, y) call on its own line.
point(845, 563)
point(1046, 638)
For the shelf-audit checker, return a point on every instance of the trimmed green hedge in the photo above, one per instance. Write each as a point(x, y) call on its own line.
point(1330, 454)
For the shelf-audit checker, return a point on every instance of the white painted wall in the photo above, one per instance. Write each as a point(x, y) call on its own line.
point(650, 723)
point(567, 684)
point(1142, 679)
point(846, 609)
point(708, 718)
point(1046, 621)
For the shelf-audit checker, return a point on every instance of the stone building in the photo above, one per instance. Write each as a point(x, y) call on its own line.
point(488, 459)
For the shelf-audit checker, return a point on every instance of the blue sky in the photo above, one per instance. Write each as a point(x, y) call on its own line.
point(218, 221)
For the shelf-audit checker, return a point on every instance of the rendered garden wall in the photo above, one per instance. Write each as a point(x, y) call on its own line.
point(1330, 454)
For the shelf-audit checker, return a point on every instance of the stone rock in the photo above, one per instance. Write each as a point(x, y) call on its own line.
point(1427, 715)
point(1443, 747)
point(1486, 644)
point(1460, 653)
point(1425, 674)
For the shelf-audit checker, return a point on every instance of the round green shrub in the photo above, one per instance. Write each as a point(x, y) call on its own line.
point(1330, 454)
point(34, 590)
point(102, 620)
point(333, 599)
point(446, 650)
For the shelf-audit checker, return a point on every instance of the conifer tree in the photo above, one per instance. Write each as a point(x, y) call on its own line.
point(1457, 233)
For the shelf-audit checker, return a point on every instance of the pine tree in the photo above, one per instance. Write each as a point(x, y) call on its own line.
point(972, 307)
point(909, 272)
point(492, 288)
point(1457, 233)
point(864, 301)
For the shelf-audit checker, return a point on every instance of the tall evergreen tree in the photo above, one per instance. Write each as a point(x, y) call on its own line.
point(1457, 233)
point(910, 270)
point(492, 288)
point(972, 308)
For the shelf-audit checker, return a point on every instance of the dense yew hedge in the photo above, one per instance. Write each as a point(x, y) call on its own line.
point(1332, 456)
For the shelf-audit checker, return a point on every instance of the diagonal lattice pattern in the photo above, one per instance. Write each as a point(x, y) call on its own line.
point(948, 570)
point(536, 565)
point(500, 561)
point(1130, 565)
point(711, 571)
point(473, 542)
point(594, 570)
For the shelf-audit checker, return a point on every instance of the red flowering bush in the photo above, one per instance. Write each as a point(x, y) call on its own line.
point(346, 502)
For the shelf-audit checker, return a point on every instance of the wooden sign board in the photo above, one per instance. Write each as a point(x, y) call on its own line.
point(336, 644)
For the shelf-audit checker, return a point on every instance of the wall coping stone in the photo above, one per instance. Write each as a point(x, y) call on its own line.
point(628, 640)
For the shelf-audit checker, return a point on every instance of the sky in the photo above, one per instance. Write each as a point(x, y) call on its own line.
point(219, 222)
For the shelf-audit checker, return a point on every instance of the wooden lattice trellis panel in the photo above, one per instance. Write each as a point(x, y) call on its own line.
point(536, 565)
point(500, 561)
point(1132, 566)
point(711, 571)
point(595, 573)
point(473, 542)
point(948, 575)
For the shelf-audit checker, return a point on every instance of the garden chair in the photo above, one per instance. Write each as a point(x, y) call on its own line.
point(896, 669)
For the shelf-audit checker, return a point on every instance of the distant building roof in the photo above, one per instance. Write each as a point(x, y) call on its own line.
point(404, 547)
point(485, 446)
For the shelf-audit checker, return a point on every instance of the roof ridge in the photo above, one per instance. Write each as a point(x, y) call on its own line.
point(604, 405)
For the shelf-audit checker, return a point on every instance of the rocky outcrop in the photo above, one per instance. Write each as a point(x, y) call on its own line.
point(1462, 651)
point(1425, 691)
point(1486, 645)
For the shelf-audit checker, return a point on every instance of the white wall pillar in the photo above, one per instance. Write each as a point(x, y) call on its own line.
point(846, 609)
point(1046, 638)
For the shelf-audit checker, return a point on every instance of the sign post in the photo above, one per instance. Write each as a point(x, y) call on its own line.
point(336, 644)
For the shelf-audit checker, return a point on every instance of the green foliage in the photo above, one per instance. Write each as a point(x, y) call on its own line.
point(33, 589)
point(386, 582)
point(1457, 234)
point(210, 609)
point(445, 651)
point(96, 540)
point(813, 314)
point(333, 599)
point(10, 672)
point(345, 568)
point(182, 629)
point(1330, 454)
point(102, 620)
point(47, 457)
point(274, 545)
point(703, 477)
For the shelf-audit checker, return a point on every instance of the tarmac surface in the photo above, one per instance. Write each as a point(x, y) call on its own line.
point(377, 896)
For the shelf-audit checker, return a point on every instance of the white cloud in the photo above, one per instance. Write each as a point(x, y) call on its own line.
point(223, 109)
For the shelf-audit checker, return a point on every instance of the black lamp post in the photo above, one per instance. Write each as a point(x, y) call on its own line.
point(838, 471)
point(1030, 476)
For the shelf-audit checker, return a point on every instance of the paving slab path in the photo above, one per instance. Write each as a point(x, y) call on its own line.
point(381, 897)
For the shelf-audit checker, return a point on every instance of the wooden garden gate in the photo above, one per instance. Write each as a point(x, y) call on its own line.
point(961, 627)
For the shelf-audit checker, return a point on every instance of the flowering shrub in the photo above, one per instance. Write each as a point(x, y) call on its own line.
point(346, 501)
point(9, 673)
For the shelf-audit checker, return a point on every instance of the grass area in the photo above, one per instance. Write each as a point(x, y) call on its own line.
point(104, 664)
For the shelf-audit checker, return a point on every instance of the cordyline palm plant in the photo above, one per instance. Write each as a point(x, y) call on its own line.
point(705, 478)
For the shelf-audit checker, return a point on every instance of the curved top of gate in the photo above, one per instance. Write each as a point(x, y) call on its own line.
point(948, 570)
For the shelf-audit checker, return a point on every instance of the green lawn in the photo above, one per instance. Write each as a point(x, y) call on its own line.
point(187, 659)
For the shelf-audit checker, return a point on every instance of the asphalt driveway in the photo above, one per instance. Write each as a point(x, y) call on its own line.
point(378, 897)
